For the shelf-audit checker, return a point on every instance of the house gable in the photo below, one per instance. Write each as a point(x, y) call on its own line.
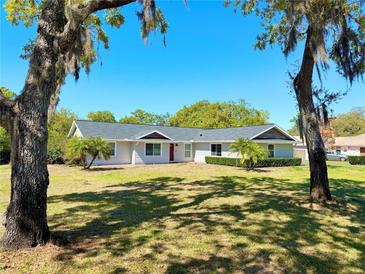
point(155, 135)
point(74, 131)
point(273, 134)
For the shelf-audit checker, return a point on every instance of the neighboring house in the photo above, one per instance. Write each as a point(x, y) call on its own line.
point(352, 145)
point(148, 144)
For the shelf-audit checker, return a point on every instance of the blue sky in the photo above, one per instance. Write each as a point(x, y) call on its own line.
point(209, 55)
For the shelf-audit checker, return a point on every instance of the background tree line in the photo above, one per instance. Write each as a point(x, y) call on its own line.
point(350, 123)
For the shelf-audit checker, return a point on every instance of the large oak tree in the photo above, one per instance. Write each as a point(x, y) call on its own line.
point(331, 30)
point(351, 123)
point(66, 33)
point(205, 114)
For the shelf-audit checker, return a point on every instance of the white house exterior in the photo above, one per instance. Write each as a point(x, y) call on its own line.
point(149, 144)
point(352, 145)
point(300, 149)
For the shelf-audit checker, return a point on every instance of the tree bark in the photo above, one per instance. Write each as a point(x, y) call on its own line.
point(91, 162)
point(26, 215)
point(319, 185)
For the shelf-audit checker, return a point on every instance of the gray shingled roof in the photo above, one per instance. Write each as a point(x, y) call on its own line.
point(117, 131)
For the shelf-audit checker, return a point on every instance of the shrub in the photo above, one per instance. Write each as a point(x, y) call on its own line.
point(267, 162)
point(357, 160)
point(4, 146)
point(4, 157)
point(55, 156)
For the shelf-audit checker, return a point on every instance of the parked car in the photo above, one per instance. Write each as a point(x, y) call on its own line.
point(334, 156)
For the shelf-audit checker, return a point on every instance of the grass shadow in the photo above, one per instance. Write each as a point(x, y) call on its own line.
point(274, 214)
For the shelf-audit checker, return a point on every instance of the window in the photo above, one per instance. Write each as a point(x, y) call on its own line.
point(153, 149)
point(187, 150)
point(112, 149)
point(216, 149)
point(271, 149)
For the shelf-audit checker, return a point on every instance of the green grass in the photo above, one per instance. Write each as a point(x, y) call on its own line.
point(339, 163)
point(195, 218)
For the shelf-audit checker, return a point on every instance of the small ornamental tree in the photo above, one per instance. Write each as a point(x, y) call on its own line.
point(97, 148)
point(249, 152)
point(330, 30)
point(67, 34)
point(79, 148)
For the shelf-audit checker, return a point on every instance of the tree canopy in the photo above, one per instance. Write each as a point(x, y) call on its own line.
point(93, 28)
point(207, 114)
point(346, 124)
point(351, 123)
point(337, 30)
point(139, 116)
point(101, 116)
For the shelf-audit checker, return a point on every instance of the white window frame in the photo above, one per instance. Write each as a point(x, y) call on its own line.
point(115, 149)
point(273, 150)
point(190, 151)
point(211, 154)
point(153, 144)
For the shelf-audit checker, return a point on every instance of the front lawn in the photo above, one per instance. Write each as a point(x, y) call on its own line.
point(195, 218)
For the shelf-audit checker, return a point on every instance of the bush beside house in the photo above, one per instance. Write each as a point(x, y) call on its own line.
point(4, 146)
point(267, 162)
point(357, 160)
point(55, 155)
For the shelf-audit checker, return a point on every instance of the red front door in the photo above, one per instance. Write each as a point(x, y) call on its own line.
point(172, 151)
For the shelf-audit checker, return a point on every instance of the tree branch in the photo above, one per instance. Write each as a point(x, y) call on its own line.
point(77, 14)
point(96, 5)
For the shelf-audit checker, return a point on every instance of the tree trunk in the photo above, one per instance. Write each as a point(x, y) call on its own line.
point(26, 215)
point(91, 162)
point(319, 186)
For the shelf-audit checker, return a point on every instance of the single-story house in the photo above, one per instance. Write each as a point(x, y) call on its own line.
point(149, 144)
point(352, 145)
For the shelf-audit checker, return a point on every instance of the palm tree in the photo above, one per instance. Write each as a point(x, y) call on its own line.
point(98, 147)
point(79, 148)
point(250, 152)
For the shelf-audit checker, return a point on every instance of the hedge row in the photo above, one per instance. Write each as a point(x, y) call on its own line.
point(268, 162)
point(357, 160)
